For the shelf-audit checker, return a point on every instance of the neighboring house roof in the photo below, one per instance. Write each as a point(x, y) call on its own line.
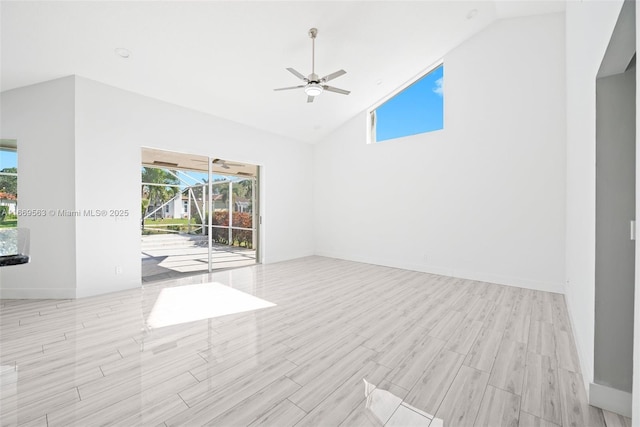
point(215, 197)
point(7, 196)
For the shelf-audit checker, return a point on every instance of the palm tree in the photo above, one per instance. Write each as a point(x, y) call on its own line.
point(158, 194)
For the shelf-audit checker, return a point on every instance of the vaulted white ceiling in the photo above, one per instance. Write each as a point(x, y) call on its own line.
point(226, 57)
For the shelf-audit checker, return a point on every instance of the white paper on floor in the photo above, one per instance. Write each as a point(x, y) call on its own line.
point(391, 410)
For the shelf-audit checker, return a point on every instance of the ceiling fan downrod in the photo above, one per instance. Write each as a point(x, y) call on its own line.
point(313, 32)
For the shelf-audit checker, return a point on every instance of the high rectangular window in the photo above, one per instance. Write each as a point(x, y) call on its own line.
point(418, 108)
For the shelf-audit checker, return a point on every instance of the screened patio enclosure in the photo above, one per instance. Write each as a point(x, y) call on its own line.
point(198, 214)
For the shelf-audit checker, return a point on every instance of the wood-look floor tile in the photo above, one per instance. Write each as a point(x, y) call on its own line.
point(508, 297)
point(483, 352)
point(284, 414)
point(237, 363)
point(615, 420)
point(155, 413)
point(462, 401)
point(540, 391)
point(38, 422)
point(392, 333)
point(498, 408)
point(497, 319)
point(35, 410)
point(258, 405)
point(566, 352)
point(480, 309)
point(517, 328)
point(404, 416)
point(464, 337)
point(524, 302)
point(542, 338)
point(244, 368)
point(340, 404)
point(214, 400)
point(410, 369)
point(361, 417)
point(542, 310)
point(559, 313)
point(395, 351)
point(447, 325)
point(528, 420)
point(430, 389)
point(576, 411)
point(35, 389)
point(317, 388)
point(112, 403)
point(508, 368)
point(132, 378)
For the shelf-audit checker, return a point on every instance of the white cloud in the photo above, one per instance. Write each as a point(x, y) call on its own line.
point(438, 88)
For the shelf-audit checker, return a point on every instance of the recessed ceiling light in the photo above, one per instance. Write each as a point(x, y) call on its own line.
point(379, 82)
point(472, 13)
point(122, 52)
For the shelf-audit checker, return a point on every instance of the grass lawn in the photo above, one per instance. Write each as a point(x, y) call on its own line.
point(170, 221)
point(9, 223)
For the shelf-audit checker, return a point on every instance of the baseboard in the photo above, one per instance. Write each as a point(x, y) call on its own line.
point(587, 370)
point(611, 399)
point(453, 272)
point(37, 293)
point(106, 289)
point(287, 257)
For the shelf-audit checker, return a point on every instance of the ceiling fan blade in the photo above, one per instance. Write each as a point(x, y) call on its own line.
point(221, 163)
point(310, 98)
point(333, 75)
point(297, 74)
point(290, 87)
point(336, 90)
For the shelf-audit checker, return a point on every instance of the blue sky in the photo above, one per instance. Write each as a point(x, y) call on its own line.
point(8, 159)
point(417, 109)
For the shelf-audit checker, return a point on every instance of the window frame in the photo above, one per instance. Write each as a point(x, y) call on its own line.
point(371, 117)
point(11, 145)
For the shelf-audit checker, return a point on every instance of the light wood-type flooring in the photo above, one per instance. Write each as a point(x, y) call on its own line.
point(470, 353)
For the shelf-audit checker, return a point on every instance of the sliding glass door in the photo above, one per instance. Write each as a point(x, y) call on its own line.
point(198, 214)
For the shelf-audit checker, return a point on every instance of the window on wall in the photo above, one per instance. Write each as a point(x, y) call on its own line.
point(418, 108)
point(8, 183)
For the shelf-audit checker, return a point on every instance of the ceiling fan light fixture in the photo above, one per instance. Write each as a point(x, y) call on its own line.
point(313, 89)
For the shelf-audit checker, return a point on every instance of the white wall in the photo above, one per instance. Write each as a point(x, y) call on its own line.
point(483, 198)
point(40, 118)
point(111, 127)
point(102, 171)
point(589, 26)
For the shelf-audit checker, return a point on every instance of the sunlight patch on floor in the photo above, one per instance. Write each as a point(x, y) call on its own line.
point(189, 303)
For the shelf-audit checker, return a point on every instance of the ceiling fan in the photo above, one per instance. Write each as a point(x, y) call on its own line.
point(315, 85)
point(225, 165)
